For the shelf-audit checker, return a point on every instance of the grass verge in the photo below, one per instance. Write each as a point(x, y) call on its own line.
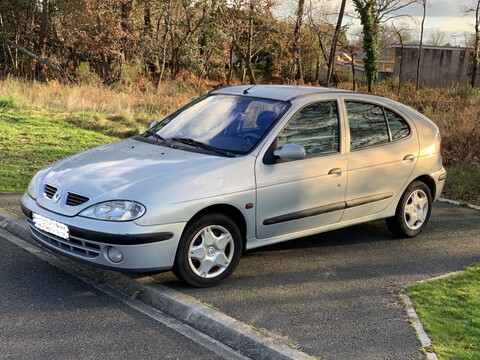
point(31, 113)
point(32, 140)
point(450, 313)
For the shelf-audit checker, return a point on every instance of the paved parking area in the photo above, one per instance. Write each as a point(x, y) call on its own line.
point(335, 294)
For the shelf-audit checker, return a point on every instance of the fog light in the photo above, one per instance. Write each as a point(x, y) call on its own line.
point(114, 254)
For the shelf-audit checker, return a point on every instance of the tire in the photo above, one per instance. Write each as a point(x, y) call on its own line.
point(209, 250)
point(413, 211)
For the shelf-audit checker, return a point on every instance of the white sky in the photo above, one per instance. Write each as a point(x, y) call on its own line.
point(447, 16)
point(441, 15)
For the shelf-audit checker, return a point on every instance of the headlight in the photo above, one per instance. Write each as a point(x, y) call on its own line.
point(115, 211)
point(32, 188)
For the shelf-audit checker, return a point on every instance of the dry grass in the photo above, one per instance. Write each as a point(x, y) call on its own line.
point(458, 117)
point(131, 104)
point(122, 111)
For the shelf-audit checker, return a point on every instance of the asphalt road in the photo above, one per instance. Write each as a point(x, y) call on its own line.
point(335, 294)
point(47, 314)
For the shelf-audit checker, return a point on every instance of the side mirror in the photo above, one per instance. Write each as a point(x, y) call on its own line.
point(152, 124)
point(290, 152)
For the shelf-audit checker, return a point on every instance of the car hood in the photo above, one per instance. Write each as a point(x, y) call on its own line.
point(136, 170)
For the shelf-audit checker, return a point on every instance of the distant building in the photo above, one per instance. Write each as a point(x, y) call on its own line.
point(386, 63)
point(441, 66)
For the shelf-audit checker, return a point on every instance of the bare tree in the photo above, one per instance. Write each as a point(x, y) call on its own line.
point(297, 63)
point(400, 32)
point(437, 38)
point(476, 46)
point(352, 51)
point(42, 38)
point(37, 58)
point(246, 26)
point(419, 58)
point(372, 13)
point(333, 48)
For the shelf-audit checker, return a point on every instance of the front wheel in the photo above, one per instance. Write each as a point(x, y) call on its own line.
point(413, 211)
point(209, 250)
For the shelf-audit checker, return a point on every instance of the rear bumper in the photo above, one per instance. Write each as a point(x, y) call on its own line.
point(439, 178)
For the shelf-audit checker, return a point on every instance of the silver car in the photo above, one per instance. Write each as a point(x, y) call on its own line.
point(236, 169)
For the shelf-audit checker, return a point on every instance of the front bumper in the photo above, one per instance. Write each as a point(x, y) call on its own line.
point(143, 248)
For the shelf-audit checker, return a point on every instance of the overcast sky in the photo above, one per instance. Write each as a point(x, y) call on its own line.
point(441, 15)
point(445, 15)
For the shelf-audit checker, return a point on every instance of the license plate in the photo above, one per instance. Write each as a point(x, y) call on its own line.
point(51, 226)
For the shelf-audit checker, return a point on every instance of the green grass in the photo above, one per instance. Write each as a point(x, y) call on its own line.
point(463, 183)
point(30, 140)
point(450, 312)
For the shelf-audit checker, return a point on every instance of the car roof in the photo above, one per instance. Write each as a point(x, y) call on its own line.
point(278, 92)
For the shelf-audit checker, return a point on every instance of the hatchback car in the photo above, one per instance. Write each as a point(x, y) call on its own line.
point(236, 169)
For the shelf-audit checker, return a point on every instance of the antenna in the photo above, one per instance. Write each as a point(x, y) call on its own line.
point(247, 90)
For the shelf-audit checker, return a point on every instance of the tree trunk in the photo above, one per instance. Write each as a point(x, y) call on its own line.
point(106, 76)
point(317, 71)
point(354, 83)
point(42, 39)
point(251, 72)
point(38, 59)
point(333, 48)
point(476, 49)
point(297, 64)
point(126, 9)
point(400, 70)
point(419, 58)
point(370, 40)
point(230, 69)
point(166, 33)
point(147, 18)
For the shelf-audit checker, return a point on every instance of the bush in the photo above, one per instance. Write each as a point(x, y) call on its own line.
point(7, 103)
point(87, 76)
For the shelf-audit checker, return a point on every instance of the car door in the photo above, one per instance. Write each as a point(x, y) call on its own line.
point(303, 194)
point(383, 151)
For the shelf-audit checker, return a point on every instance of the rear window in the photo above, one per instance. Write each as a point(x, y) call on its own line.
point(371, 124)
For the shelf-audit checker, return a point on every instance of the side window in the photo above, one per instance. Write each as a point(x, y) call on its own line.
point(315, 127)
point(399, 128)
point(367, 125)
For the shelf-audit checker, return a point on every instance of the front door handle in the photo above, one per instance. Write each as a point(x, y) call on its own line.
point(409, 157)
point(335, 171)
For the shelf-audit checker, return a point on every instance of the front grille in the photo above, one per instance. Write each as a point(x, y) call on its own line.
point(75, 199)
point(49, 191)
point(74, 246)
point(72, 198)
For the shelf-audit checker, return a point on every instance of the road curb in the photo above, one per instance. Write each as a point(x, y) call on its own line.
point(221, 327)
point(458, 203)
point(417, 325)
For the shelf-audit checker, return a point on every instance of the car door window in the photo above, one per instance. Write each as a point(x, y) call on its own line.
point(399, 128)
point(315, 127)
point(368, 125)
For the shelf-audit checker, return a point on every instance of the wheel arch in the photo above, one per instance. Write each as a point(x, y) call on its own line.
point(427, 180)
point(229, 210)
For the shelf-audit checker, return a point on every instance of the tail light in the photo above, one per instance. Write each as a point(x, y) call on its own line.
point(440, 143)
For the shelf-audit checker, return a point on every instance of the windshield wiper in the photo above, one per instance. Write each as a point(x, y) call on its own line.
point(159, 138)
point(155, 135)
point(201, 145)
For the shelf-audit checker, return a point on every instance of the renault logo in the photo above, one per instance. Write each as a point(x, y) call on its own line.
point(57, 196)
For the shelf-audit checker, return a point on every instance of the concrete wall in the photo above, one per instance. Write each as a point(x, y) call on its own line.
point(440, 67)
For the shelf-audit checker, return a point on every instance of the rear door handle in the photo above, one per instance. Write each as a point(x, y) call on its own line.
point(335, 171)
point(409, 157)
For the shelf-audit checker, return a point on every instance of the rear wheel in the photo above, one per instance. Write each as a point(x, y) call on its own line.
point(413, 211)
point(209, 250)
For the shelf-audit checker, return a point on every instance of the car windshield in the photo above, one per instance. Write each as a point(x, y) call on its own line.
point(229, 123)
